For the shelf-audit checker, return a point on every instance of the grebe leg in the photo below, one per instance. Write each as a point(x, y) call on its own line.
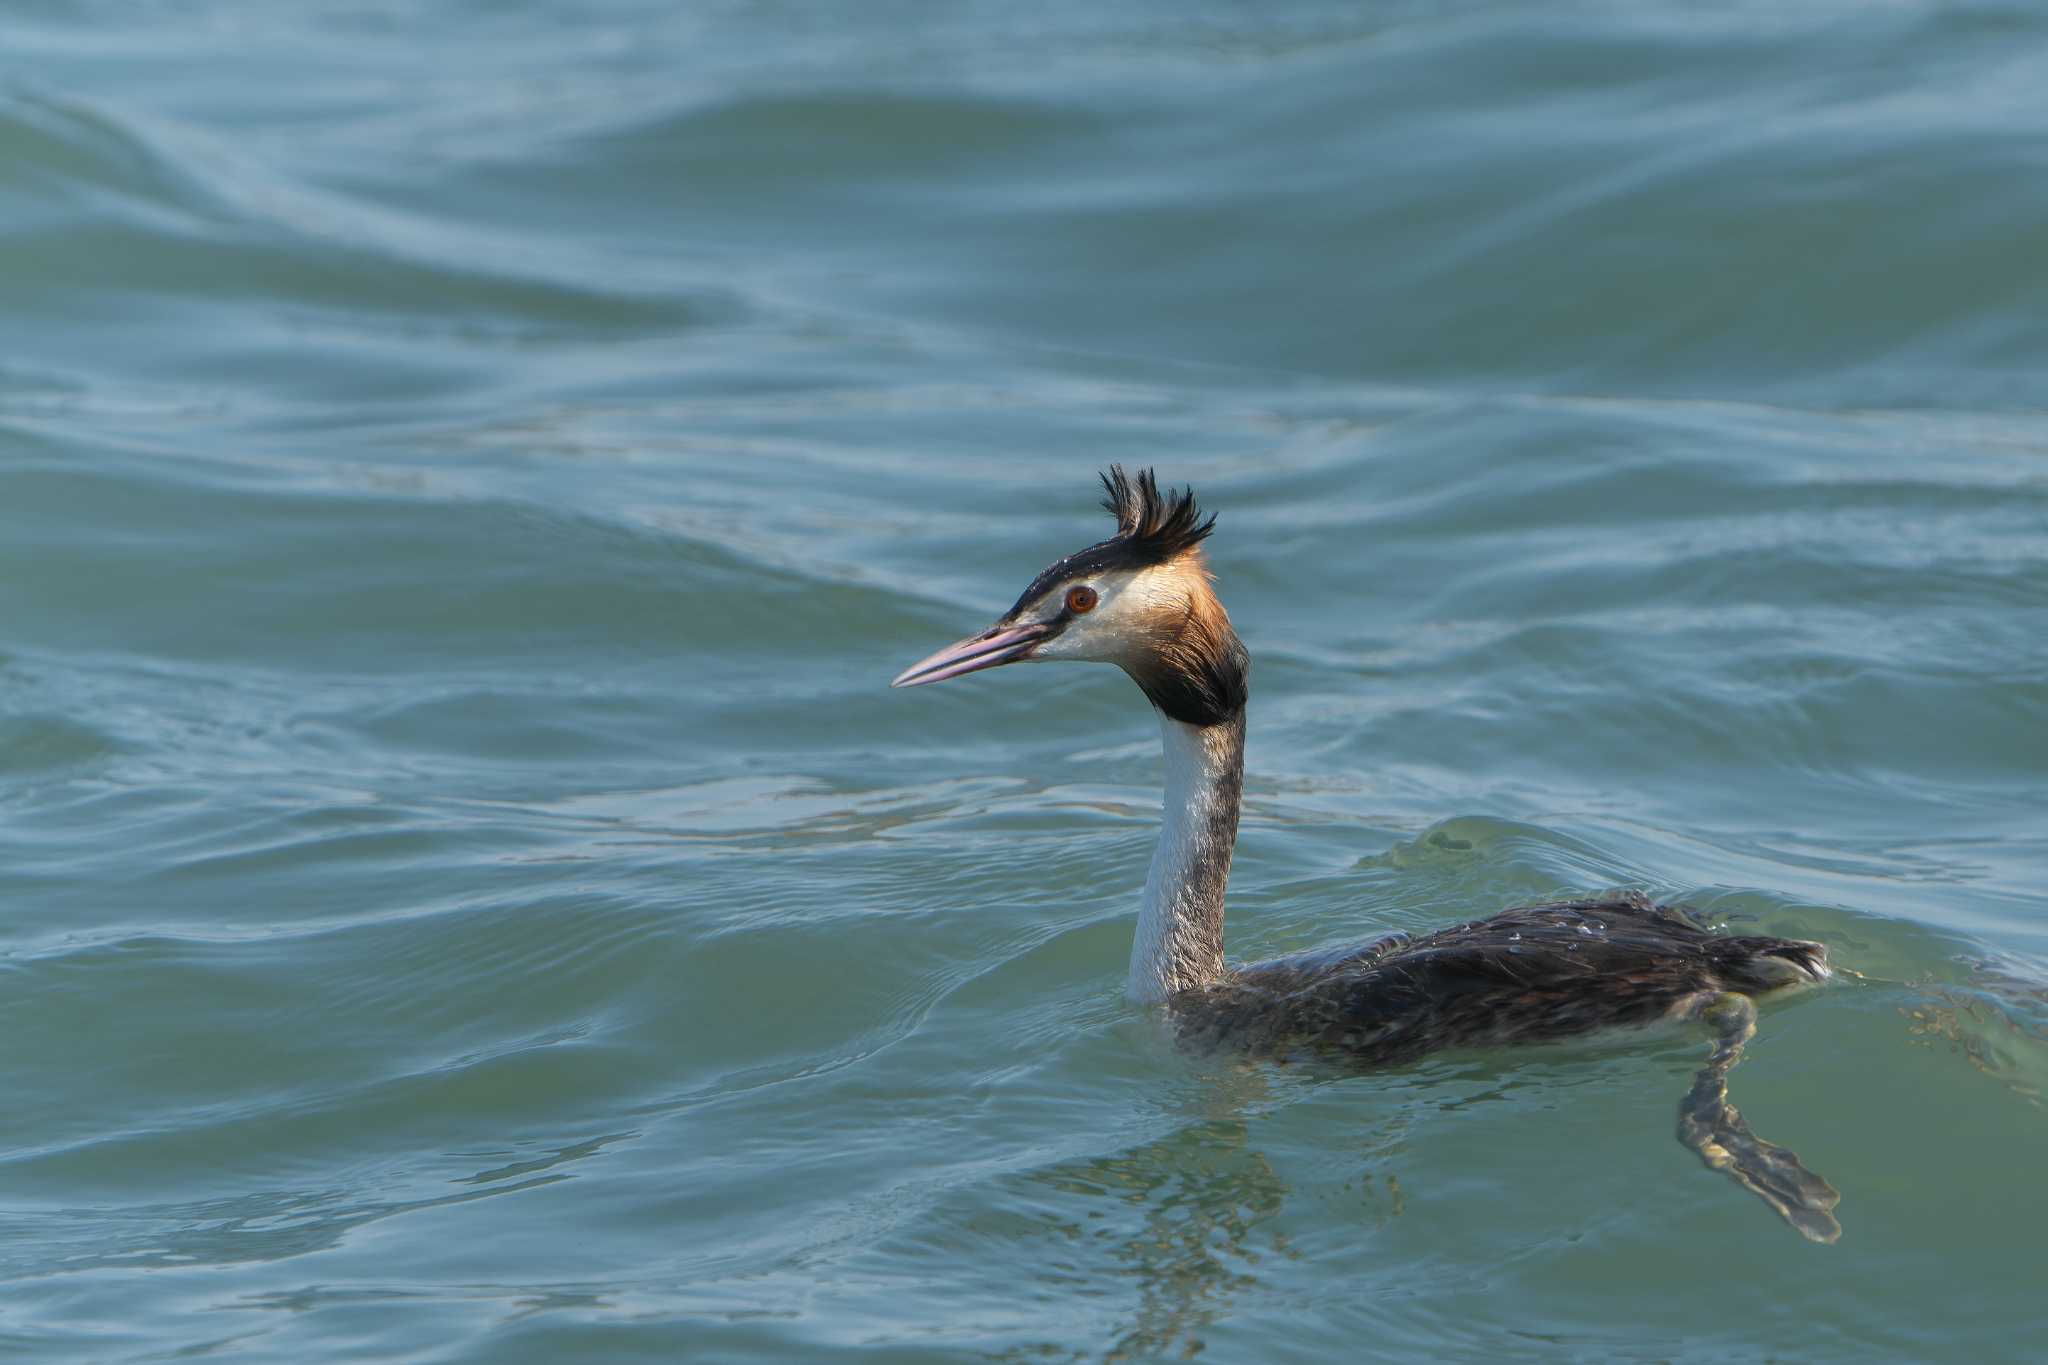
point(1712, 1127)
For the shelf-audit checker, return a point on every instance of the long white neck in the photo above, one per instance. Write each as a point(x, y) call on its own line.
point(1180, 927)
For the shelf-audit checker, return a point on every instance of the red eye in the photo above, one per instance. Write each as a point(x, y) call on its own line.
point(1081, 599)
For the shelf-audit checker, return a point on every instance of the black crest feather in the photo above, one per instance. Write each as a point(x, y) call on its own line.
point(1154, 526)
point(1151, 528)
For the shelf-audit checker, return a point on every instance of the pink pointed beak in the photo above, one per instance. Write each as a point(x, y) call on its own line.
point(997, 645)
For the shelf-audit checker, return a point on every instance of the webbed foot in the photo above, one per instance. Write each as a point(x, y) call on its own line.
point(1713, 1128)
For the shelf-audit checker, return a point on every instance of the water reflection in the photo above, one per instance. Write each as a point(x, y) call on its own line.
point(1996, 1020)
point(1194, 1215)
point(1203, 1196)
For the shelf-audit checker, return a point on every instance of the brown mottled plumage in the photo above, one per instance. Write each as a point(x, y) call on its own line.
point(1534, 973)
point(1143, 600)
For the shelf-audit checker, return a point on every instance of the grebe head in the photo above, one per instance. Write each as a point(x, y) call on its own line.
point(1141, 600)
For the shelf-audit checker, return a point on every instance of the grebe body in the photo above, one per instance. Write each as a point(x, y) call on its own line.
point(1144, 600)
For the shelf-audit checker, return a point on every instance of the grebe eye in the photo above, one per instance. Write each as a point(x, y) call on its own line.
point(1081, 599)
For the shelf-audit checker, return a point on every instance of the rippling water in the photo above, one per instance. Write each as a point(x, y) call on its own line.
point(468, 472)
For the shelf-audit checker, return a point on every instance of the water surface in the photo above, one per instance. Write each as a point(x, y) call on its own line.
point(467, 476)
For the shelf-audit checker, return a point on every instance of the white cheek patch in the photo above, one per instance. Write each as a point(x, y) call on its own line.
point(1117, 626)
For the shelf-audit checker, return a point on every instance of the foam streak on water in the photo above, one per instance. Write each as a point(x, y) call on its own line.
point(468, 474)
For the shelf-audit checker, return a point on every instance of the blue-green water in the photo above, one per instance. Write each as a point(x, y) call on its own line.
point(467, 473)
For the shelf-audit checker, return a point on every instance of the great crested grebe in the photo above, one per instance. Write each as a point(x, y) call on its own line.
point(1142, 600)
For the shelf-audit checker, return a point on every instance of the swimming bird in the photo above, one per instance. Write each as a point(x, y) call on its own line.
point(1144, 600)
